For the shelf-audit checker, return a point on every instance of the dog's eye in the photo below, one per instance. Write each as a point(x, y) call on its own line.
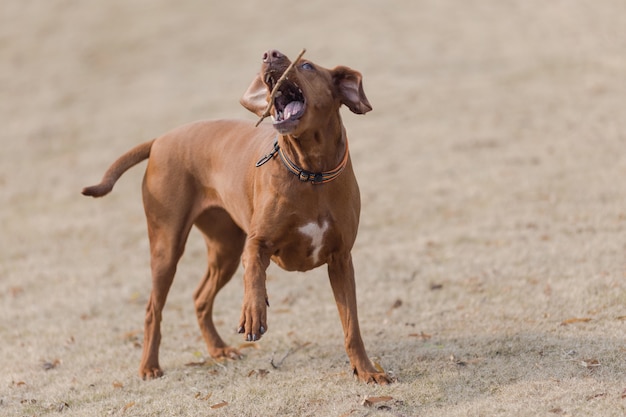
point(306, 66)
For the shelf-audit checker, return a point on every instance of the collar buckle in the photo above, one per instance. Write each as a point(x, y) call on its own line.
point(269, 156)
point(314, 178)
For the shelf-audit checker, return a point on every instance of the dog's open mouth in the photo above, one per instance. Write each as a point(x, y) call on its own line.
point(289, 104)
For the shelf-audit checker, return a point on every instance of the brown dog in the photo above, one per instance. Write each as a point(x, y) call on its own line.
point(298, 205)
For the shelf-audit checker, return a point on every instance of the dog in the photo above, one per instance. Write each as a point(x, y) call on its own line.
point(284, 192)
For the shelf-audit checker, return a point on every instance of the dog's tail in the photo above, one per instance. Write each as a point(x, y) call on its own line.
point(115, 171)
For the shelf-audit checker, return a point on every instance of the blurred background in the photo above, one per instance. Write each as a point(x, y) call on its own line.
point(490, 172)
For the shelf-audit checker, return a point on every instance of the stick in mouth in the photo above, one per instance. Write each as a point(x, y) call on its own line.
point(277, 86)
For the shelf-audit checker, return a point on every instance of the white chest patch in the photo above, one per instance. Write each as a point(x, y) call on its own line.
point(316, 233)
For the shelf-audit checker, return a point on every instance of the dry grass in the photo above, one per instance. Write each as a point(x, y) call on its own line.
point(490, 261)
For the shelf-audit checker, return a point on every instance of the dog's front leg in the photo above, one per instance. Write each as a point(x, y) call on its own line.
point(341, 274)
point(256, 259)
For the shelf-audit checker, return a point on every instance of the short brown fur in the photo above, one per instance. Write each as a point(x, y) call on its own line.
point(204, 174)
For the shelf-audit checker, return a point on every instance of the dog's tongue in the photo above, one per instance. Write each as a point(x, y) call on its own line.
point(292, 108)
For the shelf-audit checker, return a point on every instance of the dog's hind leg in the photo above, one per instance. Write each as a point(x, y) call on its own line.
point(166, 248)
point(169, 217)
point(165, 252)
point(224, 240)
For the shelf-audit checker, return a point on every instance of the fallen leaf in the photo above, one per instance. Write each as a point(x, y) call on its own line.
point(131, 336)
point(547, 290)
point(396, 304)
point(260, 373)
point(590, 363)
point(219, 405)
point(47, 365)
point(599, 395)
point(117, 385)
point(199, 363)
point(621, 318)
point(15, 291)
point(623, 394)
point(457, 361)
point(203, 397)
point(575, 320)
point(370, 401)
point(62, 406)
point(435, 287)
point(556, 410)
point(421, 335)
point(18, 383)
point(127, 406)
point(246, 345)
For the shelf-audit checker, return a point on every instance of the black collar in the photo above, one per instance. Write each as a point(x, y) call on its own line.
point(315, 178)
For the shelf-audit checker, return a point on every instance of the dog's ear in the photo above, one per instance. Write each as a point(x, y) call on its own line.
point(255, 97)
point(350, 89)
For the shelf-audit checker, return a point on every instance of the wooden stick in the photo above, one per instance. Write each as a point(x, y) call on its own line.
point(275, 89)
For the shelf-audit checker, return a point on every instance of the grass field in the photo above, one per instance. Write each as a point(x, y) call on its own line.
point(491, 257)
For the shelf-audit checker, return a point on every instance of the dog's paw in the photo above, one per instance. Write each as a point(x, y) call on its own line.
point(251, 335)
point(150, 373)
point(226, 352)
point(379, 378)
point(373, 375)
point(253, 322)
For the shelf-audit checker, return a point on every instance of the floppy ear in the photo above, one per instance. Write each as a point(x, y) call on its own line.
point(350, 89)
point(255, 97)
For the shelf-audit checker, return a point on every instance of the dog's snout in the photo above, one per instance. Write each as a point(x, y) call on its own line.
point(272, 55)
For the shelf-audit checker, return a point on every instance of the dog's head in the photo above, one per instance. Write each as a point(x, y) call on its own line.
point(308, 92)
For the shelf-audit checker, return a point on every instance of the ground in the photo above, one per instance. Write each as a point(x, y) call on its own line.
point(490, 262)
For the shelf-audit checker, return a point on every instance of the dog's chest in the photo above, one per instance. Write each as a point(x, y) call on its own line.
point(314, 232)
point(306, 246)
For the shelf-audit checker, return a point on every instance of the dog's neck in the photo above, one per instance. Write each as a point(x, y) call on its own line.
point(317, 151)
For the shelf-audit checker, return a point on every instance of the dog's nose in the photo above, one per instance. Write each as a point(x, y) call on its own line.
point(271, 56)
